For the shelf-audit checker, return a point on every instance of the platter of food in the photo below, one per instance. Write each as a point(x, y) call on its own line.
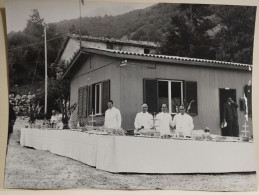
point(101, 133)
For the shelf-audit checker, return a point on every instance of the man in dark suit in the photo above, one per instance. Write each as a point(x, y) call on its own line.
point(231, 118)
point(12, 118)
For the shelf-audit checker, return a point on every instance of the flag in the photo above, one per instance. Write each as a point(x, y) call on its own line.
point(82, 1)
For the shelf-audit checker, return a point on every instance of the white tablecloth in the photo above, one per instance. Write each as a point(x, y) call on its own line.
point(150, 155)
point(76, 145)
point(144, 155)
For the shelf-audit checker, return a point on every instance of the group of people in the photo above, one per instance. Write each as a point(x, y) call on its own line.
point(163, 122)
point(182, 123)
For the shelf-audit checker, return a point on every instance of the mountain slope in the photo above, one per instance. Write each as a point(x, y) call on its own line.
point(147, 24)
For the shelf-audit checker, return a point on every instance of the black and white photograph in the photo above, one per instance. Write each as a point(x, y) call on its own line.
point(130, 96)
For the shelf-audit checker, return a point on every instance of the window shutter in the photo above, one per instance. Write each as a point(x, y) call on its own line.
point(105, 94)
point(84, 102)
point(150, 94)
point(248, 93)
point(89, 103)
point(93, 99)
point(80, 102)
point(191, 96)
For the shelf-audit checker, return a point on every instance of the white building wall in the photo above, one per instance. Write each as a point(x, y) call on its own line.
point(92, 44)
point(71, 47)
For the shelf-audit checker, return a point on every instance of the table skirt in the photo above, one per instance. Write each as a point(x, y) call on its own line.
point(143, 155)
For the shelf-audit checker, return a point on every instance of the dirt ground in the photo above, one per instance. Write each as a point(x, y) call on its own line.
point(34, 169)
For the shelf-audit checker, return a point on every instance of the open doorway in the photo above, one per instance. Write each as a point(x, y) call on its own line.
point(223, 96)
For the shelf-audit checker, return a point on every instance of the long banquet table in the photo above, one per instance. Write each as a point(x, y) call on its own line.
point(141, 154)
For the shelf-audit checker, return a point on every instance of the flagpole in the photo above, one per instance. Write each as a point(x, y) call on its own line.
point(80, 25)
point(46, 70)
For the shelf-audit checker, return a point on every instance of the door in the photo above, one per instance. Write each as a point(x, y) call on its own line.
point(224, 94)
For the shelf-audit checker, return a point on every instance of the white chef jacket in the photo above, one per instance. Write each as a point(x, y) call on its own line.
point(143, 119)
point(112, 118)
point(163, 122)
point(183, 123)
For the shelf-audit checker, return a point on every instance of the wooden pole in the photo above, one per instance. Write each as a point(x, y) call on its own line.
point(46, 71)
point(80, 18)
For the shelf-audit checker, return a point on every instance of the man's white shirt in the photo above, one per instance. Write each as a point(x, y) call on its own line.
point(112, 118)
point(53, 119)
point(143, 119)
point(183, 123)
point(163, 122)
point(59, 124)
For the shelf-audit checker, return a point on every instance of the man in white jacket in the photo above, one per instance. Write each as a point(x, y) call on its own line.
point(112, 118)
point(143, 119)
point(164, 121)
point(183, 123)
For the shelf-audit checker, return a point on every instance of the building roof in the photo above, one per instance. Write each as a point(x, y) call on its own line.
point(158, 58)
point(175, 58)
point(116, 41)
point(104, 40)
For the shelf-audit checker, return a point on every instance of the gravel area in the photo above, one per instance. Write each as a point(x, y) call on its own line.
point(34, 169)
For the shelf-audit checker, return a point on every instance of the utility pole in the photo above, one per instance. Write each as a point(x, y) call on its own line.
point(46, 71)
point(80, 18)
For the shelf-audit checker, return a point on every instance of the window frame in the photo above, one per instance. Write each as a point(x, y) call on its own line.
point(104, 89)
point(100, 84)
point(146, 50)
point(110, 46)
point(169, 103)
point(150, 94)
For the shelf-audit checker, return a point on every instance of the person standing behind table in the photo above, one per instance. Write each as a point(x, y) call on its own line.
point(164, 121)
point(59, 124)
point(53, 119)
point(231, 118)
point(183, 123)
point(143, 119)
point(12, 118)
point(112, 118)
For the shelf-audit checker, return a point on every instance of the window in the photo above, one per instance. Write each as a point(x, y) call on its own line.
point(98, 99)
point(173, 93)
point(109, 46)
point(100, 94)
point(146, 51)
point(170, 93)
point(93, 99)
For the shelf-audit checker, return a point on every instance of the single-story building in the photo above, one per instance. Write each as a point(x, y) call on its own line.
point(131, 78)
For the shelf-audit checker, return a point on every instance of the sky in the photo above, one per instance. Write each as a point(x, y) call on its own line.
point(18, 11)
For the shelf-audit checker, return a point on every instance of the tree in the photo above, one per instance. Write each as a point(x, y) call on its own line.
point(72, 29)
point(187, 34)
point(35, 24)
point(53, 46)
point(26, 54)
point(18, 68)
point(27, 61)
point(235, 39)
point(26, 105)
point(59, 94)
